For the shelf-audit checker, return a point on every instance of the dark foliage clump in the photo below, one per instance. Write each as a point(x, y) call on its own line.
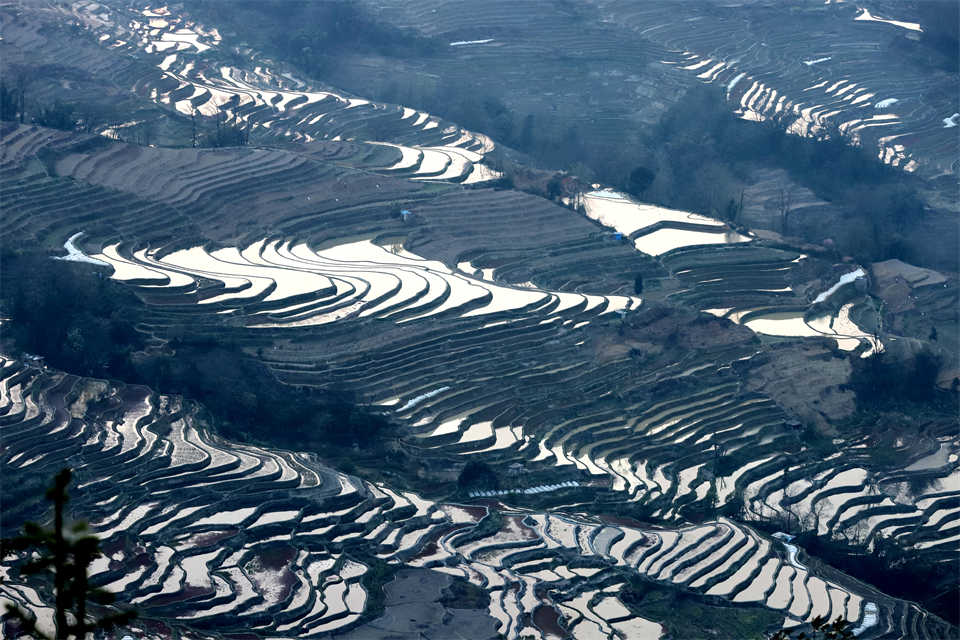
point(822, 629)
point(477, 475)
point(882, 381)
point(247, 402)
point(9, 102)
point(58, 115)
point(76, 318)
point(939, 40)
point(684, 614)
point(225, 134)
point(464, 595)
point(640, 180)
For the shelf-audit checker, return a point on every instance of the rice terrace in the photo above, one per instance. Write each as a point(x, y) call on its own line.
point(425, 319)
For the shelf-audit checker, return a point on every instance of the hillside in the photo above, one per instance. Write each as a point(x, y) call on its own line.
point(341, 375)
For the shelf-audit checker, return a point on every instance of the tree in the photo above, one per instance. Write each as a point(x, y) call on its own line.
point(817, 512)
point(640, 180)
point(784, 204)
point(67, 551)
point(880, 380)
point(823, 629)
point(477, 475)
point(90, 116)
point(638, 284)
point(793, 518)
point(939, 19)
point(554, 187)
point(527, 137)
point(23, 79)
point(226, 135)
point(56, 116)
point(734, 209)
point(145, 132)
point(9, 101)
point(193, 127)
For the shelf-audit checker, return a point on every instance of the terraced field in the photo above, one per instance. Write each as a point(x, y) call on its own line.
point(210, 537)
point(812, 69)
point(623, 359)
point(607, 82)
point(507, 340)
point(826, 66)
point(182, 66)
point(485, 346)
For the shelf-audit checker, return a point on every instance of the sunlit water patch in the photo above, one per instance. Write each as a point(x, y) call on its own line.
point(616, 210)
point(279, 284)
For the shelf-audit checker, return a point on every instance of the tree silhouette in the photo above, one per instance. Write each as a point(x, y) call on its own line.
point(478, 475)
point(66, 551)
point(640, 180)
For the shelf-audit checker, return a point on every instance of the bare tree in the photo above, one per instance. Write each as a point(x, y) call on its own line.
point(817, 510)
point(23, 79)
point(788, 504)
point(193, 125)
point(784, 204)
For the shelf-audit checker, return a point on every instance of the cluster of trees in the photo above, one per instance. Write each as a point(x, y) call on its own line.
point(58, 115)
point(19, 104)
point(246, 402)
point(225, 135)
point(477, 476)
point(883, 381)
point(75, 317)
point(685, 614)
point(699, 157)
point(939, 41)
point(12, 100)
point(464, 595)
point(92, 117)
point(821, 629)
point(84, 323)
